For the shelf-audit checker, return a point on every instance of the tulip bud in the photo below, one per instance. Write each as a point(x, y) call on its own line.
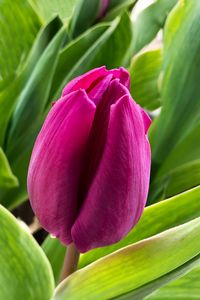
point(88, 176)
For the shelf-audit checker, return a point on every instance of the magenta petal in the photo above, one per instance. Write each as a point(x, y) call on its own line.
point(56, 163)
point(97, 91)
point(84, 81)
point(146, 119)
point(118, 193)
point(123, 76)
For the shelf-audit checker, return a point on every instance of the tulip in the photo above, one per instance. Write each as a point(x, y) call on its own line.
point(88, 176)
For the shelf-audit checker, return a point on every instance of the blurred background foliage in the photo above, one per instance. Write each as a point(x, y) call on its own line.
point(43, 45)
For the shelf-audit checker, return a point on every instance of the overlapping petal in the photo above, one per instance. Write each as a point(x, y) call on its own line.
point(118, 192)
point(56, 163)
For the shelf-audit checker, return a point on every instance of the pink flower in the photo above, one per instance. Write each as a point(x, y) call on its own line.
point(89, 172)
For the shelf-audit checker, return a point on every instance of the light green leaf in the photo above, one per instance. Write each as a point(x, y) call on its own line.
point(155, 219)
point(7, 178)
point(10, 95)
point(185, 288)
point(25, 272)
point(51, 8)
point(135, 266)
point(15, 17)
point(150, 21)
point(145, 71)
point(181, 90)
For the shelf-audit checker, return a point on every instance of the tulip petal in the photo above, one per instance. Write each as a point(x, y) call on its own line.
point(98, 134)
point(86, 80)
point(146, 119)
point(118, 192)
point(56, 163)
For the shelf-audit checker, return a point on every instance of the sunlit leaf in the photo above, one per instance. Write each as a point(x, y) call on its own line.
point(155, 219)
point(130, 269)
point(15, 17)
point(7, 178)
point(25, 272)
point(145, 73)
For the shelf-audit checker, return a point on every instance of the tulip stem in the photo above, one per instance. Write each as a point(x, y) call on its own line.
point(70, 261)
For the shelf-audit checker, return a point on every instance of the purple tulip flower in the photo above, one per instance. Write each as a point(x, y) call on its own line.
point(89, 172)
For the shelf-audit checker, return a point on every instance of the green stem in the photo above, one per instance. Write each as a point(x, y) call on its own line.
point(70, 262)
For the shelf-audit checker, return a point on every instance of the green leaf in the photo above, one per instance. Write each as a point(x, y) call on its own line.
point(186, 151)
point(181, 91)
point(33, 98)
point(185, 288)
point(150, 21)
point(15, 17)
point(99, 46)
point(49, 9)
point(145, 71)
point(118, 7)
point(155, 219)
point(10, 95)
point(135, 266)
point(72, 55)
point(25, 272)
point(86, 12)
point(28, 117)
point(7, 178)
point(178, 180)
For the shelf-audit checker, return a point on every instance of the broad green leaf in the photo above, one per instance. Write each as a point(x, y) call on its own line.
point(105, 49)
point(185, 288)
point(10, 95)
point(51, 8)
point(180, 88)
point(7, 178)
point(178, 180)
point(154, 285)
point(186, 151)
point(28, 117)
point(180, 170)
point(145, 71)
point(135, 266)
point(150, 21)
point(16, 17)
point(155, 219)
point(85, 14)
point(25, 272)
